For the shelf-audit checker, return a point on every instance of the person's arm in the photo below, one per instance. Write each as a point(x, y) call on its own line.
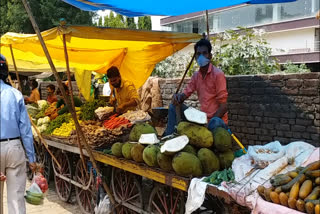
point(26, 133)
point(222, 94)
point(181, 97)
point(134, 98)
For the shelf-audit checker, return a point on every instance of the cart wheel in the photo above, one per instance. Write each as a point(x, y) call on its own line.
point(127, 192)
point(86, 198)
point(63, 188)
point(44, 159)
point(166, 200)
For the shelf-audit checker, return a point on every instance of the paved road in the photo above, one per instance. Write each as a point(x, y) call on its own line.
point(51, 204)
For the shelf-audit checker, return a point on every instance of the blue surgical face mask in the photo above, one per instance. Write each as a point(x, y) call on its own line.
point(202, 61)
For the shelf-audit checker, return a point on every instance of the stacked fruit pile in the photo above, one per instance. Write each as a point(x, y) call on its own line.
point(197, 151)
point(298, 189)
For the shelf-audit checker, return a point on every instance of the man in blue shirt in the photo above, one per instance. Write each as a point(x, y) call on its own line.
point(14, 127)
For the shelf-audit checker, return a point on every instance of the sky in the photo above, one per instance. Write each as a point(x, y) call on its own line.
point(154, 19)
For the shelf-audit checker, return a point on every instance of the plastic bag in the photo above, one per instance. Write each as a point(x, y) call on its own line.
point(264, 155)
point(34, 194)
point(41, 181)
point(104, 206)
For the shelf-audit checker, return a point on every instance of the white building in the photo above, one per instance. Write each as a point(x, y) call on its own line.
point(291, 28)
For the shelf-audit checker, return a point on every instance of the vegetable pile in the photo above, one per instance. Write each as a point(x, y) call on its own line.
point(115, 122)
point(218, 177)
point(56, 123)
point(87, 109)
point(298, 189)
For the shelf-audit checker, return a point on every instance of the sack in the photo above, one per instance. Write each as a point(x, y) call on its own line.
point(266, 154)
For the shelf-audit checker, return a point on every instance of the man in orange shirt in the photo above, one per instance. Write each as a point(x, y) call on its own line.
point(210, 84)
point(51, 96)
point(35, 95)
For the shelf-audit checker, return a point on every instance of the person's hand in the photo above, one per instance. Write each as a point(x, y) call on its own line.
point(120, 109)
point(112, 102)
point(2, 177)
point(178, 98)
point(33, 167)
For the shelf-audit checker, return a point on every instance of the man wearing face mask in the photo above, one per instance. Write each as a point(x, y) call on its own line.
point(210, 84)
point(124, 95)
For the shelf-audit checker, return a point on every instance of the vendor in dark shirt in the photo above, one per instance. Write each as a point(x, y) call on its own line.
point(77, 102)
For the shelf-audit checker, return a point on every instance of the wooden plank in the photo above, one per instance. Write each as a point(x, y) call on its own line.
point(130, 166)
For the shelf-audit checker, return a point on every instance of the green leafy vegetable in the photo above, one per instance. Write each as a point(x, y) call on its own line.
point(87, 110)
point(56, 123)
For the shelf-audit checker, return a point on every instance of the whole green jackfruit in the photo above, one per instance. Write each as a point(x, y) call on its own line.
point(150, 155)
point(226, 159)
point(116, 149)
point(222, 139)
point(209, 161)
point(139, 129)
point(186, 164)
point(199, 136)
point(189, 149)
point(136, 152)
point(126, 150)
point(164, 161)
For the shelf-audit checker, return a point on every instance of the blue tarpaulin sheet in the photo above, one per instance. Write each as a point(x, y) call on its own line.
point(133, 8)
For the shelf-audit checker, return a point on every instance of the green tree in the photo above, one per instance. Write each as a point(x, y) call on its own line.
point(100, 22)
point(47, 14)
point(114, 21)
point(243, 52)
point(144, 23)
point(131, 24)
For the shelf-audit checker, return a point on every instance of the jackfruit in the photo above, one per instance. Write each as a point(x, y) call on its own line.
point(164, 161)
point(116, 149)
point(226, 159)
point(209, 161)
point(140, 128)
point(186, 164)
point(126, 150)
point(222, 139)
point(136, 152)
point(199, 136)
point(189, 149)
point(150, 155)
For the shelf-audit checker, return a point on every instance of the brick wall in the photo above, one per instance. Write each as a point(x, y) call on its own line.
point(264, 108)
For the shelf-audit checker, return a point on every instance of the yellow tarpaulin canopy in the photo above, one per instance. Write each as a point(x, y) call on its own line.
point(134, 52)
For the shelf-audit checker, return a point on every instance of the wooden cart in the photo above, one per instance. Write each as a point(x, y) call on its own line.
point(167, 194)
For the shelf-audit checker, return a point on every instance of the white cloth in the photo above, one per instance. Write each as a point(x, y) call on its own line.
point(196, 194)
point(106, 91)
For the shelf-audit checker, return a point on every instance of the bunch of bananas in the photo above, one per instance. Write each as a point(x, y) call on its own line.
point(65, 129)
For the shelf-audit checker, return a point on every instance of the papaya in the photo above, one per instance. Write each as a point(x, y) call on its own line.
point(278, 190)
point(314, 194)
point(305, 189)
point(313, 166)
point(300, 205)
point(283, 199)
point(267, 192)
point(315, 202)
point(317, 181)
point(300, 178)
point(309, 207)
point(260, 190)
point(317, 209)
point(274, 197)
point(314, 173)
point(280, 180)
point(294, 192)
point(293, 174)
point(292, 203)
